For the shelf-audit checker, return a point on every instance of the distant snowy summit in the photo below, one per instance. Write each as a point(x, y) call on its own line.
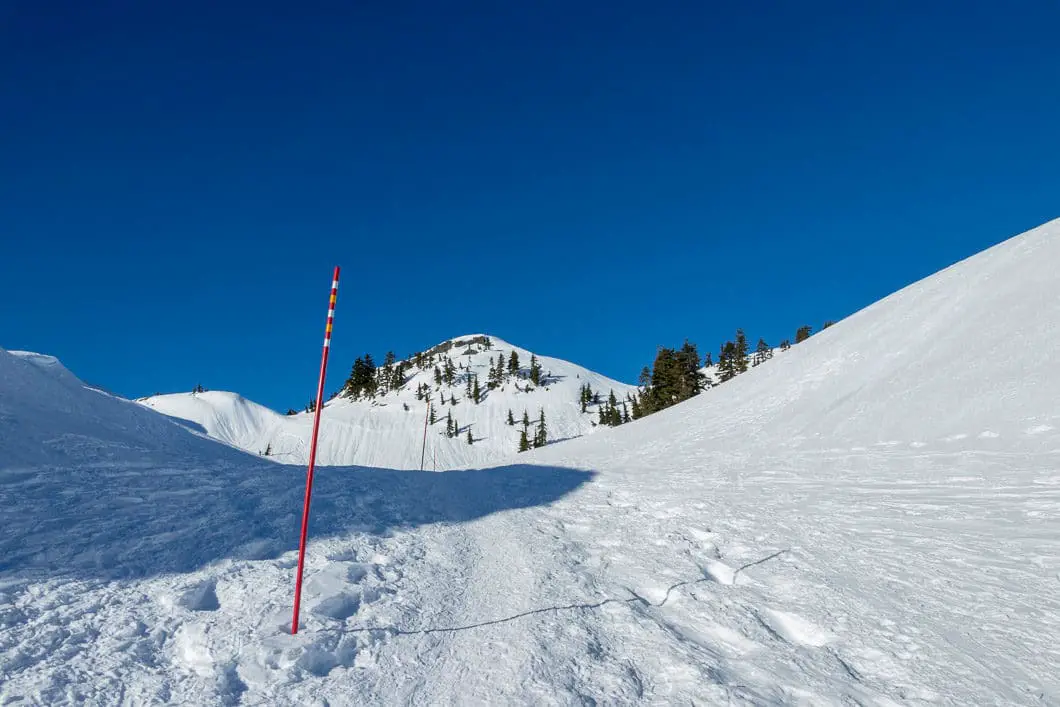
point(488, 399)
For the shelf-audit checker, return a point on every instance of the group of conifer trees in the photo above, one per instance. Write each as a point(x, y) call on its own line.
point(675, 375)
point(366, 380)
point(540, 434)
point(611, 413)
point(501, 370)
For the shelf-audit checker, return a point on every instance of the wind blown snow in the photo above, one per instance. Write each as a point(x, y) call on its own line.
point(871, 518)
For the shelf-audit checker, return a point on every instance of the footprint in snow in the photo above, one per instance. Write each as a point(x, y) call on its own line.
point(340, 606)
point(201, 597)
point(349, 555)
point(356, 573)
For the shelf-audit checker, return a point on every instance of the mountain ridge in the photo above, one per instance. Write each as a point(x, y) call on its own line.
point(387, 429)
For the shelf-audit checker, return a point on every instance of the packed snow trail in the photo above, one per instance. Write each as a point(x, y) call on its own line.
point(872, 518)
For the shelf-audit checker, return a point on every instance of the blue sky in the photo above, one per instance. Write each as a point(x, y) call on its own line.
point(588, 180)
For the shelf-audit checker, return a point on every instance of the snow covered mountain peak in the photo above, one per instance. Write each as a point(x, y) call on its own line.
point(377, 418)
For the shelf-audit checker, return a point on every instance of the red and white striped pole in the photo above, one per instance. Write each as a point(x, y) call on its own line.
point(313, 447)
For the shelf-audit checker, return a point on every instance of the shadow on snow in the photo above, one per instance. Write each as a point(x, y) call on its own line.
point(123, 521)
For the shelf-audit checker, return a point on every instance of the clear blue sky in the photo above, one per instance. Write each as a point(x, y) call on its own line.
point(589, 180)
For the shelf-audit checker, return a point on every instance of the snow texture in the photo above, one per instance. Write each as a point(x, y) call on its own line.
point(871, 518)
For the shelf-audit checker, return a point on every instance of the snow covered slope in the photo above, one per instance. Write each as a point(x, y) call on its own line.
point(47, 415)
point(871, 518)
point(388, 430)
point(228, 417)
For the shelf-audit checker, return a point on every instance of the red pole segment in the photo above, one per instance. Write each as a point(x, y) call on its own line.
point(313, 448)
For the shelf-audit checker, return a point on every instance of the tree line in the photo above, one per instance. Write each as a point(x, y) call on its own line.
point(676, 375)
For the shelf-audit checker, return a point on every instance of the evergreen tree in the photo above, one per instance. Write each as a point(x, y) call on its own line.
point(511, 419)
point(637, 412)
point(727, 369)
point(386, 373)
point(803, 334)
point(292, 411)
point(452, 399)
point(496, 374)
point(827, 324)
point(524, 441)
point(449, 424)
point(541, 435)
point(644, 379)
point(431, 412)
point(614, 418)
point(708, 361)
point(449, 373)
point(467, 389)
point(470, 439)
point(741, 351)
point(476, 393)
point(268, 449)
point(513, 364)
point(762, 353)
point(785, 345)
point(437, 376)
point(691, 380)
point(625, 414)
point(526, 419)
point(535, 370)
point(397, 378)
point(666, 380)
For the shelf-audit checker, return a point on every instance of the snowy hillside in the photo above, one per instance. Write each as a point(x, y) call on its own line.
point(871, 519)
point(47, 415)
point(387, 430)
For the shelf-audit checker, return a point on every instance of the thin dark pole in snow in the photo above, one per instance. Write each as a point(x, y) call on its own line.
point(313, 448)
point(426, 419)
